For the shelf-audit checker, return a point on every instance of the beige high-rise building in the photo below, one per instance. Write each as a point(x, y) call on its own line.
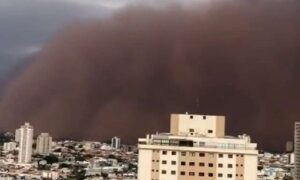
point(297, 151)
point(197, 148)
point(43, 143)
point(25, 143)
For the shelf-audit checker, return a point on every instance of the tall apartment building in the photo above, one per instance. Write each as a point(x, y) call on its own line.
point(25, 143)
point(17, 135)
point(116, 142)
point(197, 148)
point(43, 143)
point(297, 150)
point(9, 146)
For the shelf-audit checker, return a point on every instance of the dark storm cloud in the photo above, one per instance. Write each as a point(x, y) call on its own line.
point(25, 26)
point(124, 75)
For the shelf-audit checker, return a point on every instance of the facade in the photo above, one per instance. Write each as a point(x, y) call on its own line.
point(297, 150)
point(197, 148)
point(25, 143)
point(9, 146)
point(17, 135)
point(43, 143)
point(116, 142)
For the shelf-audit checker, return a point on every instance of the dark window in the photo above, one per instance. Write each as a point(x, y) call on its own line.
point(229, 175)
point(220, 175)
point(230, 155)
point(220, 165)
point(164, 162)
point(182, 173)
point(210, 165)
point(204, 117)
point(201, 164)
point(191, 174)
point(220, 155)
point(201, 154)
point(173, 162)
point(173, 153)
point(210, 131)
point(164, 152)
point(229, 165)
point(201, 173)
point(210, 174)
point(192, 163)
point(173, 172)
point(164, 172)
point(182, 163)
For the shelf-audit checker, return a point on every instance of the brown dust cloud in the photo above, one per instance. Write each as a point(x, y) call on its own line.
point(125, 74)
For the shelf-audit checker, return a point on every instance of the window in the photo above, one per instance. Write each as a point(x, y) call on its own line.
point(191, 117)
point(191, 174)
point(173, 152)
point(220, 155)
point(210, 131)
point(204, 117)
point(242, 155)
point(210, 165)
point(164, 162)
point(229, 175)
point(201, 173)
point(229, 165)
point(182, 163)
point(230, 155)
point(173, 162)
point(192, 163)
point(164, 152)
point(210, 174)
point(201, 164)
point(220, 175)
point(163, 171)
point(173, 172)
point(191, 130)
point(182, 173)
point(220, 165)
point(183, 153)
point(201, 154)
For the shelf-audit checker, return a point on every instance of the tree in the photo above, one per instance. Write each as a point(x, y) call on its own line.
point(51, 159)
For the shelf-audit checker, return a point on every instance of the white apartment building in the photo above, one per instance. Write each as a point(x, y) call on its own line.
point(9, 146)
point(116, 142)
point(197, 148)
point(25, 143)
point(297, 150)
point(43, 143)
point(17, 135)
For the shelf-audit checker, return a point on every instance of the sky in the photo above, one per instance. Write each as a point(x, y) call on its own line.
point(95, 69)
